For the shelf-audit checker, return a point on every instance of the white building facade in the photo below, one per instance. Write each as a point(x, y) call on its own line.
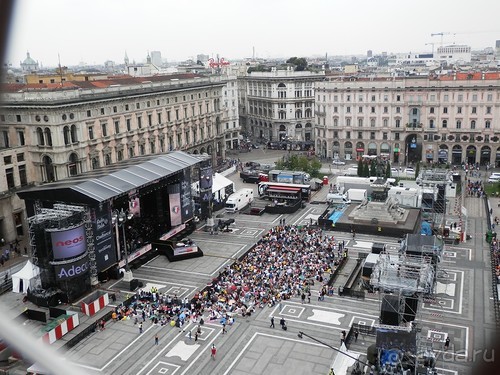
point(49, 135)
point(448, 119)
point(279, 105)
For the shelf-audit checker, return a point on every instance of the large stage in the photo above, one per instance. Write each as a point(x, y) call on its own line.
point(89, 226)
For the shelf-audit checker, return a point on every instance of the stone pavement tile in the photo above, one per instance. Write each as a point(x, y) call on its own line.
point(247, 364)
point(284, 352)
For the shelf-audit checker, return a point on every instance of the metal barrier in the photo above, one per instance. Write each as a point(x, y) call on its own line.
point(496, 300)
point(6, 286)
point(336, 273)
point(86, 332)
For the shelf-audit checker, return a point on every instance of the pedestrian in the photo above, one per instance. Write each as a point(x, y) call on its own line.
point(356, 333)
point(189, 335)
point(214, 351)
point(303, 297)
point(224, 328)
point(140, 328)
point(272, 322)
point(447, 343)
point(156, 339)
point(283, 323)
point(102, 324)
point(309, 297)
point(196, 336)
point(342, 339)
point(319, 295)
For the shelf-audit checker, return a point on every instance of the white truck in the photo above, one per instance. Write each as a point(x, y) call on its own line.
point(337, 198)
point(239, 200)
point(357, 195)
point(405, 196)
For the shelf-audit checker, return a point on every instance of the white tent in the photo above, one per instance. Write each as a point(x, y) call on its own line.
point(24, 278)
point(219, 184)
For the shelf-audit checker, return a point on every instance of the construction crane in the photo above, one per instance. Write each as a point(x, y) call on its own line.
point(442, 34)
point(432, 44)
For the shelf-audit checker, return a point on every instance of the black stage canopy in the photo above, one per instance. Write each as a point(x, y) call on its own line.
point(112, 181)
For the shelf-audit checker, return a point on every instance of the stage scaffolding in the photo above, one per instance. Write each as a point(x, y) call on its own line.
point(404, 279)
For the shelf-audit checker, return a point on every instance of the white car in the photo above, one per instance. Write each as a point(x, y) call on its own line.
point(338, 162)
point(394, 172)
point(494, 178)
point(409, 172)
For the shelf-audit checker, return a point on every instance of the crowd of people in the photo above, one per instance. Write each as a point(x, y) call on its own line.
point(474, 188)
point(495, 258)
point(284, 263)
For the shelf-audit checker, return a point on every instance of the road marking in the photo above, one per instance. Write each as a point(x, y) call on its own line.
point(126, 348)
point(303, 341)
point(164, 348)
point(326, 316)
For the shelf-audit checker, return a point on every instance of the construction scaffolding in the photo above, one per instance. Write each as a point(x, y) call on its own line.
point(404, 278)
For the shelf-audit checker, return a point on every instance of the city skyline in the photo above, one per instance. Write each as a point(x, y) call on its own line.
point(98, 31)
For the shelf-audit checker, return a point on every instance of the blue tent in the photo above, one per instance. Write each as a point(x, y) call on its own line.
point(426, 229)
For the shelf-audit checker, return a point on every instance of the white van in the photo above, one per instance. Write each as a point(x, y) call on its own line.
point(337, 198)
point(239, 200)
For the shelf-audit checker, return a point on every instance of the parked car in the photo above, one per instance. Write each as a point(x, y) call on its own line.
point(338, 162)
point(494, 178)
point(409, 172)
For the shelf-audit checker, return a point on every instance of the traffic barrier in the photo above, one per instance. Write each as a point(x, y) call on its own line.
point(94, 303)
point(65, 324)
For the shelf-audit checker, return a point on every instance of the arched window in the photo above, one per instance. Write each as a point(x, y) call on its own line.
point(41, 139)
point(473, 124)
point(95, 162)
point(48, 169)
point(308, 113)
point(48, 137)
point(73, 164)
point(152, 146)
point(74, 136)
point(66, 135)
point(281, 91)
point(107, 159)
point(445, 123)
point(119, 155)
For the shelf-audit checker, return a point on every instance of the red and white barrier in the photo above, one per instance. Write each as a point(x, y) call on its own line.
point(60, 330)
point(94, 306)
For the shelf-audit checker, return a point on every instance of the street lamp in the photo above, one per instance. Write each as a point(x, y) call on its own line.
point(120, 218)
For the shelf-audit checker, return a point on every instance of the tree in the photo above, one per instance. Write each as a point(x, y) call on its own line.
point(300, 163)
point(417, 169)
point(373, 168)
point(366, 170)
point(300, 63)
point(360, 167)
point(388, 170)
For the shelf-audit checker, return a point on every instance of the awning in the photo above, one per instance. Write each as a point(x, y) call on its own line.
point(283, 190)
point(109, 182)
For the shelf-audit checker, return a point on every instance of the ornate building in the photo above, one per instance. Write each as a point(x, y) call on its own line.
point(449, 119)
point(279, 104)
point(54, 131)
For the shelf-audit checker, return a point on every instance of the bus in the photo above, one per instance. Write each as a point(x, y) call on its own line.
point(276, 189)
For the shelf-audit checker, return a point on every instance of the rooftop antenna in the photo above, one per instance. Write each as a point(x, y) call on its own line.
point(60, 69)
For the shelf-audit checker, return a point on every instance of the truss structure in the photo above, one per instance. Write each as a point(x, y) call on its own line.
point(407, 274)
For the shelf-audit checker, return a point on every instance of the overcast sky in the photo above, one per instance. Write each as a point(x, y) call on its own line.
point(94, 31)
